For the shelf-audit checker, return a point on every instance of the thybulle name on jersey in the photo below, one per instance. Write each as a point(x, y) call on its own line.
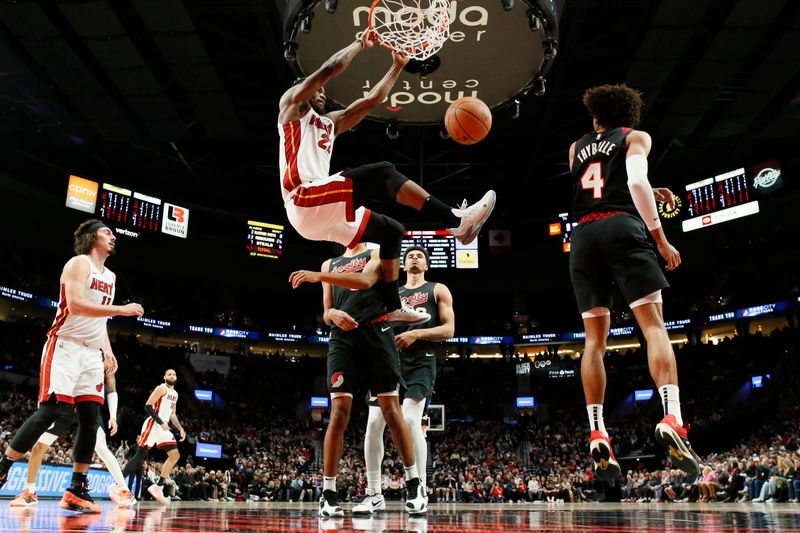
point(603, 147)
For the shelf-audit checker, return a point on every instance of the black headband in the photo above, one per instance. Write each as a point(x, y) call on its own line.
point(95, 226)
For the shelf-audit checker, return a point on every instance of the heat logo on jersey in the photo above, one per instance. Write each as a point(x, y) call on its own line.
point(337, 379)
point(325, 141)
point(418, 298)
point(102, 286)
point(356, 265)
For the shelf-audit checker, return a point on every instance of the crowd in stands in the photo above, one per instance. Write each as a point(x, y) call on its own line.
point(489, 452)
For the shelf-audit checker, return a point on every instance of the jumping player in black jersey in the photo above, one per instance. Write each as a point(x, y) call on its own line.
point(419, 346)
point(614, 204)
point(362, 342)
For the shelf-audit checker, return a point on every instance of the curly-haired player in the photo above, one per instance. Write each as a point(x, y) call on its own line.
point(614, 205)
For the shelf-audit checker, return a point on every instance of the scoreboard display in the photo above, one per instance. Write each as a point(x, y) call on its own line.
point(719, 199)
point(722, 198)
point(264, 239)
point(130, 210)
point(443, 249)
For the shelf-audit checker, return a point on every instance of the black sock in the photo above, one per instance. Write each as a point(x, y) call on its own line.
point(436, 209)
point(390, 293)
point(79, 481)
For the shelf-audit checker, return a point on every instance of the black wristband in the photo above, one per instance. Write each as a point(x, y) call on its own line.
point(152, 412)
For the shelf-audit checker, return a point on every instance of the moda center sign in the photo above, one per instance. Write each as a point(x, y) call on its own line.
point(491, 54)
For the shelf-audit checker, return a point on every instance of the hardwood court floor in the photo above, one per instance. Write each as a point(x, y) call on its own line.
point(441, 518)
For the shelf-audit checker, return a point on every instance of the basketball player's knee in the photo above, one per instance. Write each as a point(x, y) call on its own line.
point(339, 418)
point(39, 448)
point(411, 421)
point(375, 425)
point(87, 431)
point(174, 454)
point(387, 232)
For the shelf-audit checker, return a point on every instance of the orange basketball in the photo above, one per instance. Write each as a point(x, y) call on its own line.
point(468, 120)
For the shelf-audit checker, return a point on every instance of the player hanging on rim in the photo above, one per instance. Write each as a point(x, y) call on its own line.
point(328, 207)
point(419, 346)
point(118, 491)
point(614, 204)
point(161, 408)
point(362, 342)
point(74, 357)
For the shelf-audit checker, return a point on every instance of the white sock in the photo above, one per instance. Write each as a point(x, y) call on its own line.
point(412, 413)
point(596, 422)
point(411, 472)
point(108, 458)
point(671, 401)
point(329, 483)
point(30, 487)
point(373, 449)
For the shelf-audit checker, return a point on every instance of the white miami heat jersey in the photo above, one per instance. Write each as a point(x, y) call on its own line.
point(166, 404)
point(87, 330)
point(305, 151)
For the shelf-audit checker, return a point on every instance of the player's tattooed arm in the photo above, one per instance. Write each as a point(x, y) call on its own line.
point(354, 113)
point(174, 420)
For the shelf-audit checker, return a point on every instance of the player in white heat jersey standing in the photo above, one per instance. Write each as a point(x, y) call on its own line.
point(74, 358)
point(161, 410)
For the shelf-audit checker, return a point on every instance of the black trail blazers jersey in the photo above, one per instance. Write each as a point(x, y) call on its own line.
point(421, 297)
point(362, 305)
point(601, 179)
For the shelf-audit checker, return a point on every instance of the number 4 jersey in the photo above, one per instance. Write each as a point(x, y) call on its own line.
point(601, 179)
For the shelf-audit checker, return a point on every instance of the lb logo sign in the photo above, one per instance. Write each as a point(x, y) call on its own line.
point(82, 194)
point(175, 221)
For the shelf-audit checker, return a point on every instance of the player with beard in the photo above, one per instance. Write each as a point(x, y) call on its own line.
point(419, 346)
point(325, 207)
point(362, 344)
point(74, 358)
point(161, 408)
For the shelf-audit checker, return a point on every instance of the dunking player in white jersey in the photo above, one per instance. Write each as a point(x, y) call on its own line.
point(161, 408)
point(73, 359)
point(322, 207)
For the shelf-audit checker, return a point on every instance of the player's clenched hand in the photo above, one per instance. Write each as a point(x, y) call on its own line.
point(183, 435)
point(662, 194)
point(112, 426)
point(366, 38)
point(670, 255)
point(131, 310)
point(342, 319)
point(400, 59)
point(303, 276)
point(405, 339)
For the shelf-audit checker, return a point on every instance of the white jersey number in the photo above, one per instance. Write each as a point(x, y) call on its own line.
point(593, 179)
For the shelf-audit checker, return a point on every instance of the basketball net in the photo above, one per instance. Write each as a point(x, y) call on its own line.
point(416, 28)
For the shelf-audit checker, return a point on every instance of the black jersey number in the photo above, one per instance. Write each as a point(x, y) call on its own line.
point(593, 179)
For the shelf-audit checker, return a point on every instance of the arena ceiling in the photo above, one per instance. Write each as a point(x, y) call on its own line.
point(178, 98)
